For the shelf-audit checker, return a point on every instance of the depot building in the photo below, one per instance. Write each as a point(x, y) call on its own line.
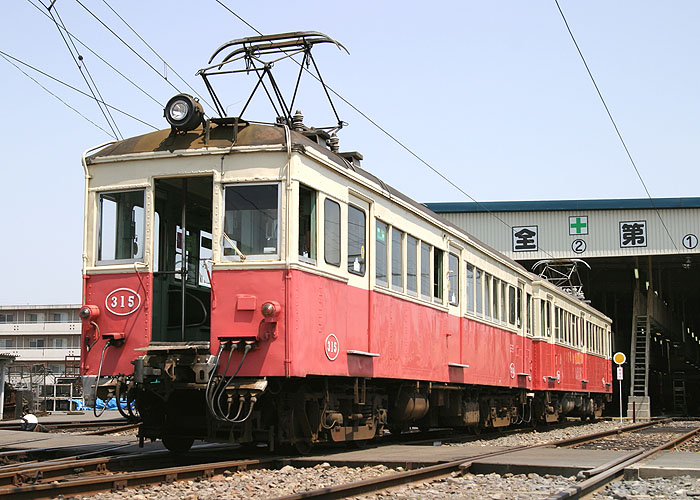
point(640, 266)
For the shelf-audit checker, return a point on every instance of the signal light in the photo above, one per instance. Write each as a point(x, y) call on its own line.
point(184, 112)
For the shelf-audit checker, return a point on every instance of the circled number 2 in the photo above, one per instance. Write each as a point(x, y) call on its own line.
point(578, 246)
point(690, 241)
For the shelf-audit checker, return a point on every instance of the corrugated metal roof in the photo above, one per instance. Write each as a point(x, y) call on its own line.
point(563, 205)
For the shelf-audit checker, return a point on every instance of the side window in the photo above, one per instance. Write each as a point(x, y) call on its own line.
point(470, 288)
point(380, 259)
point(478, 292)
point(543, 324)
point(528, 314)
point(356, 240)
point(307, 224)
point(557, 331)
point(496, 286)
point(503, 302)
point(511, 303)
point(250, 221)
point(411, 265)
point(438, 256)
point(487, 295)
point(548, 318)
point(122, 220)
point(331, 229)
point(396, 259)
point(453, 279)
point(519, 307)
point(425, 270)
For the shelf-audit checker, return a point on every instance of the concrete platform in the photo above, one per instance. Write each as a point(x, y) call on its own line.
point(559, 461)
point(83, 416)
point(406, 456)
point(14, 440)
point(670, 464)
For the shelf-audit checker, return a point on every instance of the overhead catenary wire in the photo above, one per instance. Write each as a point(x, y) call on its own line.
point(80, 63)
point(614, 124)
point(128, 46)
point(68, 32)
point(158, 55)
point(56, 96)
point(76, 89)
point(391, 136)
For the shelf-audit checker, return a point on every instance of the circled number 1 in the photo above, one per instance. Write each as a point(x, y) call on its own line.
point(690, 241)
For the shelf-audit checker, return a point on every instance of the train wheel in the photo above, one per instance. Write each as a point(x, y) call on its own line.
point(302, 447)
point(177, 444)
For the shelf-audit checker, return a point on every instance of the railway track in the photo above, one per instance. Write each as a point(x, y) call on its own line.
point(596, 478)
point(74, 475)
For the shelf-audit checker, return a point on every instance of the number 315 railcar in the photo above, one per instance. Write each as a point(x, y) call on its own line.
point(248, 282)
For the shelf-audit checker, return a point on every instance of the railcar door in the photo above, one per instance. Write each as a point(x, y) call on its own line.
point(358, 297)
point(183, 247)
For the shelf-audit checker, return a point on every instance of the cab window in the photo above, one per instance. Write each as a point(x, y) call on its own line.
point(251, 218)
point(121, 232)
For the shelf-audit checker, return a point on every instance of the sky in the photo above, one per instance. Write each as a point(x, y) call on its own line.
point(493, 95)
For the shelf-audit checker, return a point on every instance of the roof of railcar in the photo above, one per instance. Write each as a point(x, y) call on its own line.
point(255, 134)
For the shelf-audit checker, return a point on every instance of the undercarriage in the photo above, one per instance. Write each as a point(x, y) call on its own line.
point(180, 399)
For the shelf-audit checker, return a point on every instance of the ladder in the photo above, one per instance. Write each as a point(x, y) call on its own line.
point(640, 358)
point(679, 394)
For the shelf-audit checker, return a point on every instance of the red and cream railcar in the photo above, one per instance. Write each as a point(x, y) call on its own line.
point(243, 282)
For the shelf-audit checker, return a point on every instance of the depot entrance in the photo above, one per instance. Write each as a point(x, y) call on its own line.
point(644, 260)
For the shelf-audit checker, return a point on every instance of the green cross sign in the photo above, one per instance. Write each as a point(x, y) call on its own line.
point(578, 225)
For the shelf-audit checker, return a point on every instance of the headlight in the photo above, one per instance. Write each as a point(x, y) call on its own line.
point(178, 111)
point(89, 312)
point(183, 112)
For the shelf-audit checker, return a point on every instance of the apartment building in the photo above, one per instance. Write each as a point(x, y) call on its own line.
point(45, 342)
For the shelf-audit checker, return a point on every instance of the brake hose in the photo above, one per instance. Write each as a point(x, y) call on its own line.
point(211, 378)
point(213, 397)
point(97, 381)
point(246, 350)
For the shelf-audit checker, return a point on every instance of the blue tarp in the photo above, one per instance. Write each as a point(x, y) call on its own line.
point(110, 405)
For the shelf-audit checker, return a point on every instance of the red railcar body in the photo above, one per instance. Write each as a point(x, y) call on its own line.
point(247, 282)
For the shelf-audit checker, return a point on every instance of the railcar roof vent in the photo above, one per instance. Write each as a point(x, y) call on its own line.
point(562, 273)
point(353, 157)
